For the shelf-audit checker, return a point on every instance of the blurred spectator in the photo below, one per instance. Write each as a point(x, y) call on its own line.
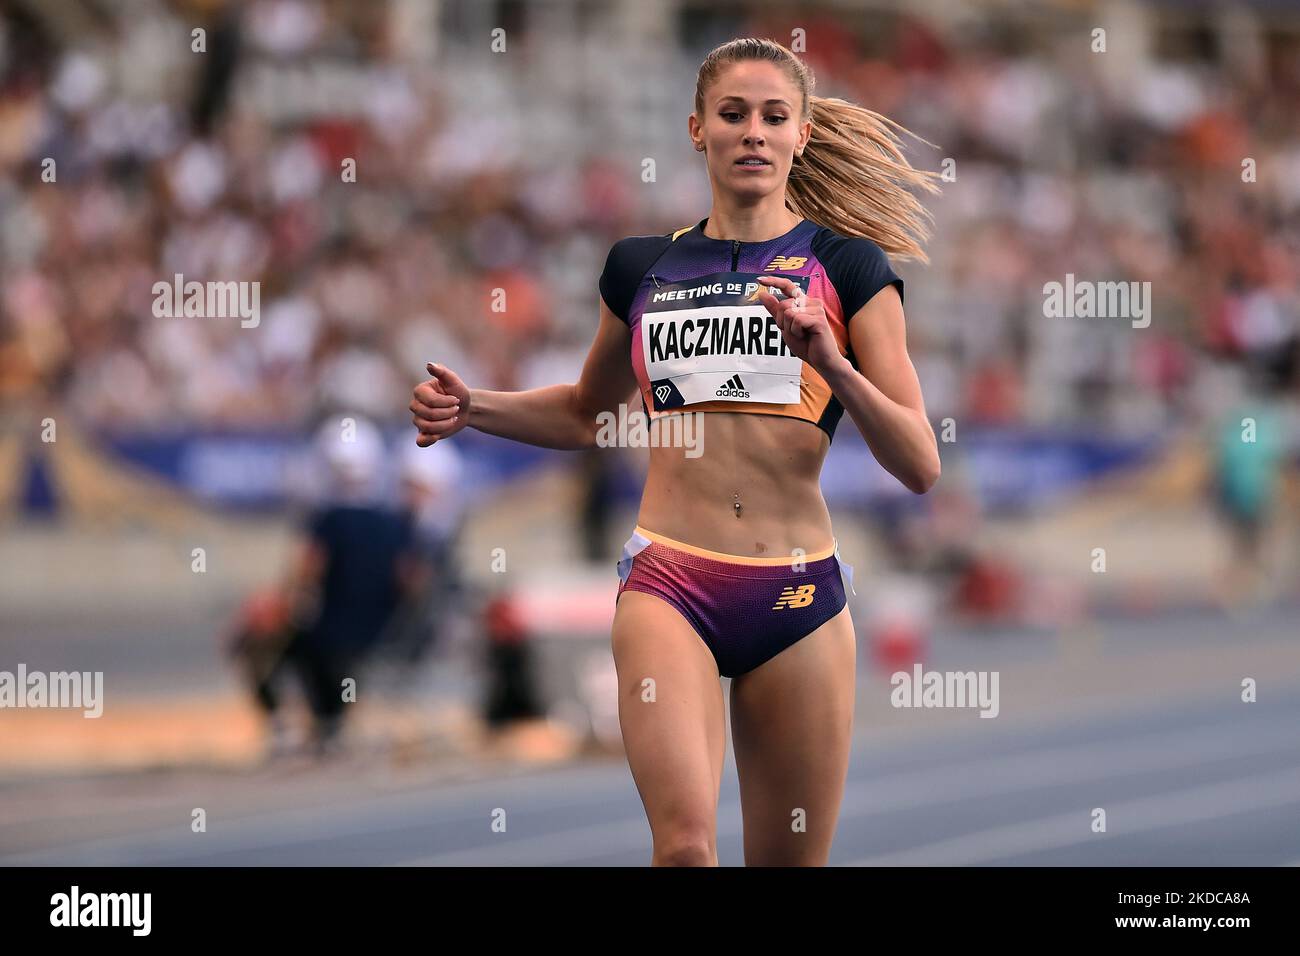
point(1248, 451)
point(357, 565)
point(597, 471)
point(434, 499)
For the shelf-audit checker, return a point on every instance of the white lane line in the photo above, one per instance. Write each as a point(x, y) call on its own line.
point(553, 779)
point(1061, 765)
point(1018, 773)
point(294, 826)
point(1176, 807)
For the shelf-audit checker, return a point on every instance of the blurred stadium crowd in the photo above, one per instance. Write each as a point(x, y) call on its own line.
point(515, 170)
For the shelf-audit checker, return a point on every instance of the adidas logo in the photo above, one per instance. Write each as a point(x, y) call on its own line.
point(732, 388)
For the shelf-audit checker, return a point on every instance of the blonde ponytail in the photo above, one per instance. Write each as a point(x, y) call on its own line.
point(852, 177)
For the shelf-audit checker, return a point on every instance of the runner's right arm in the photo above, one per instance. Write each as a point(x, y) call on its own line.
point(554, 416)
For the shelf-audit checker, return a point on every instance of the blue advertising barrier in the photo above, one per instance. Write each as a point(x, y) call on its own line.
point(1005, 468)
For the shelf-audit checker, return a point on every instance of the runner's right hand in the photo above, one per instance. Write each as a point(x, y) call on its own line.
point(440, 407)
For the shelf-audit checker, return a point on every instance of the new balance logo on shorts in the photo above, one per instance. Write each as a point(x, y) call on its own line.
point(793, 597)
point(732, 388)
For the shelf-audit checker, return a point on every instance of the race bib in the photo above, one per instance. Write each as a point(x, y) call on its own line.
point(710, 339)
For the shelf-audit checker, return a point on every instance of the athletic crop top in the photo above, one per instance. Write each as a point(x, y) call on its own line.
point(702, 340)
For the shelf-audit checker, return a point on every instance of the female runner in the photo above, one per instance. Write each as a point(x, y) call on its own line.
point(733, 570)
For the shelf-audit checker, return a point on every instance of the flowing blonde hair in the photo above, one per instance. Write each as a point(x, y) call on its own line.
point(852, 176)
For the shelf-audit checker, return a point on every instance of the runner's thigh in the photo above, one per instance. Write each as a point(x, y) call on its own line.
point(792, 727)
point(673, 719)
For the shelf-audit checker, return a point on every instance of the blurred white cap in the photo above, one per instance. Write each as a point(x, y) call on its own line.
point(352, 447)
point(436, 468)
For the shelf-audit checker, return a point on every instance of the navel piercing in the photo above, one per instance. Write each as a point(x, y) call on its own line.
point(736, 504)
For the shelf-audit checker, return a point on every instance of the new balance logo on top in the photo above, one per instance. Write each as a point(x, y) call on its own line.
point(793, 597)
point(732, 388)
point(786, 262)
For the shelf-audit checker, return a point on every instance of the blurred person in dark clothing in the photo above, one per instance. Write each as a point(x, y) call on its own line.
point(355, 559)
point(434, 501)
point(597, 501)
point(356, 567)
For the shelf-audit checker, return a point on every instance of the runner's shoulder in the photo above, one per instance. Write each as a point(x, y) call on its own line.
point(629, 259)
point(857, 266)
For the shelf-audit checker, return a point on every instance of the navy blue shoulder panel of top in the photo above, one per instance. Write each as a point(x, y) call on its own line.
point(625, 266)
point(857, 268)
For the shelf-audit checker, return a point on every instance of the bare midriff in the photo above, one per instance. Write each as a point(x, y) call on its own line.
point(755, 490)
